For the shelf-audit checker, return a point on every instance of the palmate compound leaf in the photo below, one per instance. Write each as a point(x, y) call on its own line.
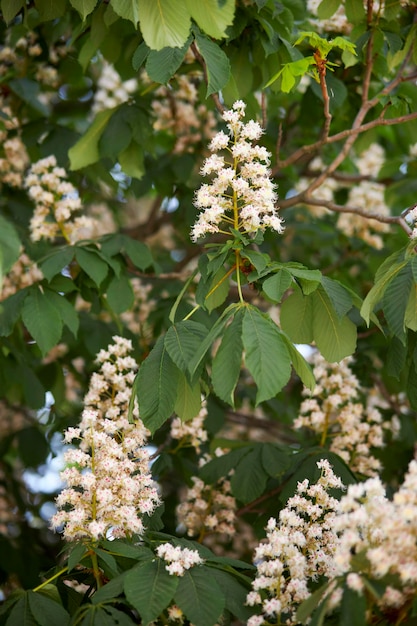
point(46, 611)
point(199, 596)
point(228, 360)
point(150, 588)
point(157, 385)
point(266, 354)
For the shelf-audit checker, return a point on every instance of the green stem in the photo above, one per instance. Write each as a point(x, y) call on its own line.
point(96, 569)
point(49, 580)
point(187, 317)
point(239, 286)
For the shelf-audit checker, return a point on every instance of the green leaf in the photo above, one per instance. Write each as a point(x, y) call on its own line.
point(131, 160)
point(161, 65)
point(42, 320)
point(50, 9)
point(10, 8)
point(10, 310)
point(306, 608)
point(116, 135)
point(84, 7)
point(65, 309)
point(327, 8)
point(338, 295)
point(216, 297)
point(309, 280)
point(110, 590)
point(276, 285)
point(164, 24)
point(355, 11)
point(120, 294)
point(249, 479)
point(217, 63)
point(388, 270)
point(300, 365)
point(92, 265)
point(353, 608)
point(188, 402)
point(150, 588)
point(205, 345)
point(410, 317)
point(335, 338)
point(9, 246)
point(86, 151)
point(221, 466)
point(182, 342)
point(33, 448)
point(297, 317)
point(139, 56)
point(199, 596)
point(275, 460)
point(76, 555)
point(127, 9)
point(46, 611)
point(21, 615)
point(395, 301)
point(138, 253)
point(55, 262)
point(157, 387)
point(228, 361)
point(266, 354)
point(235, 594)
point(212, 16)
point(28, 90)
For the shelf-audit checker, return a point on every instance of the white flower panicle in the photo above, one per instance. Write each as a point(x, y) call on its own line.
point(56, 200)
point(111, 90)
point(337, 411)
point(22, 274)
point(241, 194)
point(413, 215)
point(110, 487)
point(299, 547)
point(178, 559)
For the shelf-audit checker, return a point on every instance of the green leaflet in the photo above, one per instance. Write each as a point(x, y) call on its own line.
point(157, 385)
point(164, 24)
point(182, 342)
point(188, 402)
point(150, 588)
point(42, 319)
point(386, 272)
point(228, 360)
point(212, 16)
point(395, 301)
point(86, 150)
point(266, 354)
point(199, 596)
point(84, 7)
point(217, 63)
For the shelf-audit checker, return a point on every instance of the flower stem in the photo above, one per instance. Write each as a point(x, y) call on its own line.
point(49, 580)
point(96, 569)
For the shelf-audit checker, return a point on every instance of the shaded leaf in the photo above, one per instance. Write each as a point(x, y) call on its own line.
point(120, 294)
point(188, 402)
point(217, 63)
point(42, 320)
point(157, 385)
point(228, 360)
point(92, 265)
point(9, 246)
point(86, 150)
point(46, 611)
point(199, 596)
point(161, 65)
point(183, 340)
point(335, 338)
point(266, 354)
point(276, 285)
point(249, 479)
point(150, 588)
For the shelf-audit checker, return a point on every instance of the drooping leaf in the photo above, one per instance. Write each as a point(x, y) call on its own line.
point(410, 317)
point(140, 55)
point(297, 317)
point(86, 150)
point(150, 588)
point(228, 360)
point(188, 402)
point(338, 295)
point(217, 63)
point(213, 17)
point(182, 342)
point(55, 262)
point(353, 608)
point(10, 310)
point(300, 365)
point(386, 272)
point(218, 290)
point(92, 265)
point(10, 8)
point(157, 386)
point(199, 596)
point(127, 9)
point(164, 24)
point(276, 285)
point(161, 65)
point(249, 479)
point(50, 9)
point(235, 593)
point(275, 459)
point(266, 354)
point(221, 466)
point(76, 554)
point(306, 608)
point(65, 309)
point(84, 7)
point(120, 294)
point(138, 253)
point(9, 246)
point(46, 611)
point(42, 319)
point(395, 301)
point(327, 8)
point(335, 338)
